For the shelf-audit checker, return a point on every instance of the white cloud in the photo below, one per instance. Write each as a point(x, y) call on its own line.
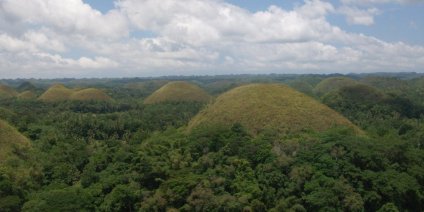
point(355, 15)
point(67, 16)
point(52, 38)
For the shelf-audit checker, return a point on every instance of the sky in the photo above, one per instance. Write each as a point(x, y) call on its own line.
point(144, 38)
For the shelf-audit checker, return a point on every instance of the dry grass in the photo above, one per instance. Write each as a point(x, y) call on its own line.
point(16, 160)
point(333, 84)
point(59, 92)
point(56, 93)
point(269, 106)
point(7, 92)
point(27, 95)
point(178, 92)
point(90, 94)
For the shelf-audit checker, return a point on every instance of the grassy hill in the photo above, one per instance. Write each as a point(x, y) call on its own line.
point(386, 84)
point(25, 86)
point(147, 85)
point(333, 84)
point(16, 160)
point(358, 94)
point(7, 92)
point(56, 93)
point(27, 95)
point(90, 94)
point(269, 106)
point(178, 92)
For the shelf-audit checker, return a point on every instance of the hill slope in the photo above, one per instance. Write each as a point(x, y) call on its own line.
point(333, 84)
point(178, 92)
point(27, 95)
point(90, 94)
point(269, 106)
point(7, 92)
point(16, 159)
point(55, 93)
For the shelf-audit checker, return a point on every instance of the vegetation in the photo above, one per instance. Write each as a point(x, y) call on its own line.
point(90, 94)
point(261, 107)
point(124, 155)
point(26, 95)
point(178, 92)
point(333, 84)
point(7, 92)
point(56, 93)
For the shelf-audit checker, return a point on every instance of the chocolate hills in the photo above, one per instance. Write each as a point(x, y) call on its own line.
point(357, 94)
point(59, 92)
point(27, 95)
point(90, 94)
point(7, 92)
point(16, 158)
point(55, 93)
point(178, 91)
point(269, 106)
point(333, 84)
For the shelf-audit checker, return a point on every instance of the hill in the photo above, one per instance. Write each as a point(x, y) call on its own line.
point(90, 94)
point(386, 84)
point(178, 91)
point(333, 84)
point(301, 86)
point(7, 92)
point(14, 153)
point(25, 86)
point(27, 95)
point(269, 106)
point(356, 94)
point(146, 85)
point(55, 93)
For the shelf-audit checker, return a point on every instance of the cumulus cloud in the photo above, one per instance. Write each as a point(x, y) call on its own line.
point(359, 16)
point(56, 38)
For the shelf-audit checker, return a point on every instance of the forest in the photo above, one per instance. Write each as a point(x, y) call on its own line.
point(213, 143)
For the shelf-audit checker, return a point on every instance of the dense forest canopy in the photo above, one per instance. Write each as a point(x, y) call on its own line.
point(94, 145)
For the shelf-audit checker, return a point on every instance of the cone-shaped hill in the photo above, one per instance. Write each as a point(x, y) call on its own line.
point(178, 92)
point(358, 94)
point(333, 84)
point(7, 92)
point(90, 94)
point(59, 92)
point(25, 86)
point(56, 93)
point(269, 106)
point(27, 95)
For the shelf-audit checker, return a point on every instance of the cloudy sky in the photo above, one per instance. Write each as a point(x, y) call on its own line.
point(128, 38)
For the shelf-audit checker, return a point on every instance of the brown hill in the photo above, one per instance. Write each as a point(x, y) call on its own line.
point(178, 92)
point(7, 92)
point(56, 93)
point(270, 106)
point(90, 94)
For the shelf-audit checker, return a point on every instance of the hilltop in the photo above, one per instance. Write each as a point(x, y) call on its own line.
point(90, 94)
point(178, 91)
point(27, 95)
point(25, 86)
point(357, 94)
point(10, 140)
point(57, 92)
point(7, 92)
point(333, 84)
point(269, 106)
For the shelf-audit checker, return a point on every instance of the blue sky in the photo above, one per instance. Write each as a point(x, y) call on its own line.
point(138, 38)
